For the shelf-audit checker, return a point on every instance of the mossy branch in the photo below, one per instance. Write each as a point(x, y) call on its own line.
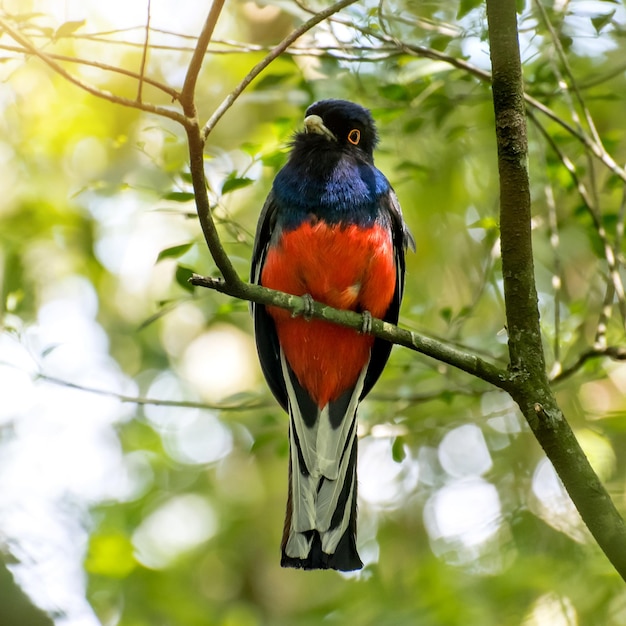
point(530, 387)
point(434, 348)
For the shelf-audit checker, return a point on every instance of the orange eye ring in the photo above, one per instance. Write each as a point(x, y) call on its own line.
point(354, 136)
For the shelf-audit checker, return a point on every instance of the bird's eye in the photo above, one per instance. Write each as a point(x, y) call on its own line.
point(354, 136)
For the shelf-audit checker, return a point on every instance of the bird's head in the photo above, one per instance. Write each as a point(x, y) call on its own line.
point(345, 124)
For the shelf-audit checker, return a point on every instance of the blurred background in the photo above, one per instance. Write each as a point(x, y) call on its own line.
point(143, 461)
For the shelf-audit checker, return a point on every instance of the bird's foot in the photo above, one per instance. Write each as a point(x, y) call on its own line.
point(307, 307)
point(366, 327)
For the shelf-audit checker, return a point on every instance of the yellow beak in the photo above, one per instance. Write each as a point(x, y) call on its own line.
point(315, 124)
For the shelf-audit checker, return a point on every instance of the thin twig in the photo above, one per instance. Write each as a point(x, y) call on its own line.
point(197, 137)
point(253, 404)
point(556, 41)
point(423, 398)
point(616, 353)
point(193, 70)
point(144, 54)
point(196, 148)
point(170, 91)
point(94, 91)
point(619, 227)
point(600, 340)
point(609, 252)
point(259, 67)
point(421, 51)
point(142, 400)
point(360, 53)
point(553, 227)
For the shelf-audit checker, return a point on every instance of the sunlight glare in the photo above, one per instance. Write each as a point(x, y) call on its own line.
point(552, 610)
point(62, 454)
point(463, 452)
point(220, 362)
point(550, 502)
point(177, 526)
point(383, 482)
point(467, 510)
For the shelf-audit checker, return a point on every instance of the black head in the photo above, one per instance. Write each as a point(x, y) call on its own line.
point(347, 123)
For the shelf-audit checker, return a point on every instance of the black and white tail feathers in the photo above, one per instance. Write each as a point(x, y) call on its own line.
point(320, 526)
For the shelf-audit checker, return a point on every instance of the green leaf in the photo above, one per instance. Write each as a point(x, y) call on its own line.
point(234, 182)
point(110, 555)
point(174, 252)
point(446, 314)
point(45, 31)
point(183, 274)
point(274, 159)
point(179, 196)
point(448, 396)
point(601, 21)
point(440, 42)
point(242, 399)
point(13, 300)
point(488, 223)
point(271, 80)
point(65, 30)
point(394, 92)
point(466, 6)
point(398, 451)
point(252, 148)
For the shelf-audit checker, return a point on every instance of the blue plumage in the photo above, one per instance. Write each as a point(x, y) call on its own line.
point(349, 192)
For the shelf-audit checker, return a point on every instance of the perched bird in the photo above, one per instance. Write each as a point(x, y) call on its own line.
point(332, 230)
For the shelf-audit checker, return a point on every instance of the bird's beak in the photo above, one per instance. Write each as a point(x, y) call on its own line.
point(315, 124)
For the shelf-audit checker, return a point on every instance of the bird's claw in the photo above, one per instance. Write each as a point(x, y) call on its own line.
point(307, 307)
point(366, 327)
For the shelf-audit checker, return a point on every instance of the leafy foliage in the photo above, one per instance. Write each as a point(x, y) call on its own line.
point(180, 502)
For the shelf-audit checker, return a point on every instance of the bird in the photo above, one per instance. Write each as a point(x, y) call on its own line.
point(332, 231)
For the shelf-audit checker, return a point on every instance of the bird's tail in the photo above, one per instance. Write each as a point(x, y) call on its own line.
point(320, 526)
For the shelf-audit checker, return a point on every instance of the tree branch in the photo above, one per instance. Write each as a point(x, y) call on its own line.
point(520, 294)
point(429, 53)
point(197, 137)
point(144, 53)
point(170, 91)
point(196, 147)
point(556, 42)
point(259, 67)
point(94, 91)
point(527, 381)
point(253, 404)
point(142, 400)
point(616, 353)
point(193, 71)
point(464, 361)
point(203, 205)
point(590, 203)
point(530, 387)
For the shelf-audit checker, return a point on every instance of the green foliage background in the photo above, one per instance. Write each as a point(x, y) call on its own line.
point(97, 223)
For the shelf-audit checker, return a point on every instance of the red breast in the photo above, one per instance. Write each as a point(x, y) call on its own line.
point(346, 267)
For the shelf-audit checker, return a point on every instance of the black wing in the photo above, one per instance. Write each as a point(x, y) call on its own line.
point(402, 239)
point(265, 334)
